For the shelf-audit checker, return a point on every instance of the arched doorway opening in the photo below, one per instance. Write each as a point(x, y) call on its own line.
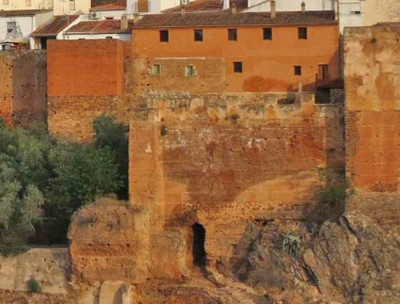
point(199, 250)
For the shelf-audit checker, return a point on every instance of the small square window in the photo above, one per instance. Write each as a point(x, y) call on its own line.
point(198, 35)
point(164, 36)
point(156, 69)
point(238, 67)
point(267, 33)
point(190, 71)
point(232, 34)
point(302, 32)
point(297, 70)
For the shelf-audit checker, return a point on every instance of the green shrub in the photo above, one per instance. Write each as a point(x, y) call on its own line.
point(34, 286)
point(42, 178)
point(112, 135)
point(290, 244)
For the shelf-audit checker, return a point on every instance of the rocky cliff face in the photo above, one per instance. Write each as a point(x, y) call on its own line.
point(351, 260)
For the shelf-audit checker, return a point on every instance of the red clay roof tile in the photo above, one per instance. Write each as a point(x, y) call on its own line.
point(99, 27)
point(54, 26)
point(239, 19)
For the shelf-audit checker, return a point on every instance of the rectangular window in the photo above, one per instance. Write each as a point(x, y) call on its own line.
point(11, 26)
point(28, 3)
point(267, 33)
point(302, 32)
point(164, 36)
point(190, 71)
point(6, 2)
point(238, 67)
point(198, 35)
point(232, 34)
point(156, 69)
point(109, 37)
point(323, 72)
point(297, 70)
point(71, 5)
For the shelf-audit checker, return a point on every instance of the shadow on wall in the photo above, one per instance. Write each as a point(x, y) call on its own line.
point(220, 159)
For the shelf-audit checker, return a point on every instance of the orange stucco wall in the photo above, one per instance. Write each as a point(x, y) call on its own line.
point(268, 65)
point(372, 86)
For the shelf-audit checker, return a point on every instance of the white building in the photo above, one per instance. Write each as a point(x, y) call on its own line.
point(350, 12)
point(17, 26)
point(108, 11)
point(71, 7)
point(60, 7)
point(290, 5)
point(100, 29)
point(54, 29)
point(12, 5)
point(150, 6)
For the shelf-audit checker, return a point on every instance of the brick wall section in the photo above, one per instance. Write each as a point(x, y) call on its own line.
point(220, 160)
point(6, 87)
point(23, 96)
point(85, 67)
point(372, 107)
point(71, 117)
point(85, 80)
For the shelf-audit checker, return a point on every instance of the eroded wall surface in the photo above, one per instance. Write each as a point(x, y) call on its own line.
point(380, 11)
point(85, 80)
point(221, 160)
point(372, 107)
point(23, 88)
point(50, 267)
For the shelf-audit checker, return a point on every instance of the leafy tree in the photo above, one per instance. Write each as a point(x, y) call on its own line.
point(114, 136)
point(42, 178)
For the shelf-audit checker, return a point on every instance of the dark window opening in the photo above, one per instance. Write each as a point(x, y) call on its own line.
point(43, 43)
point(268, 33)
point(232, 34)
point(164, 36)
point(199, 251)
point(323, 72)
point(238, 67)
point(198, 35)
point(302, 32)
point(297, 70)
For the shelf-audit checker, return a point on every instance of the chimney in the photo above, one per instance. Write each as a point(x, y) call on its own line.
point(225, 4)
point(136, 18)
point(124, 22)
point(233, 9)
point(303, 7)
point(183, 11)
point(273, 9)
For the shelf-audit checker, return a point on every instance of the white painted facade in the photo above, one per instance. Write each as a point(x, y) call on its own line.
point(123, 37)
point(11, 5)
point(154, 6)
point(113, 14)
point(290, 5)
point(71, 7)
point(25, 25)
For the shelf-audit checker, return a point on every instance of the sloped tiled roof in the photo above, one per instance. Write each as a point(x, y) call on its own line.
point(99, 27)
point(239, 19)
point(207, 5)
point(13, 13)
point(116, 6)
point(54, 26)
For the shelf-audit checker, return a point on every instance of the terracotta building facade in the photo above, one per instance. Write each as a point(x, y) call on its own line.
point(256, 52)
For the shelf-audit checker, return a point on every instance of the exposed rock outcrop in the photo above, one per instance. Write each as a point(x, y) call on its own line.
point(351, 260)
